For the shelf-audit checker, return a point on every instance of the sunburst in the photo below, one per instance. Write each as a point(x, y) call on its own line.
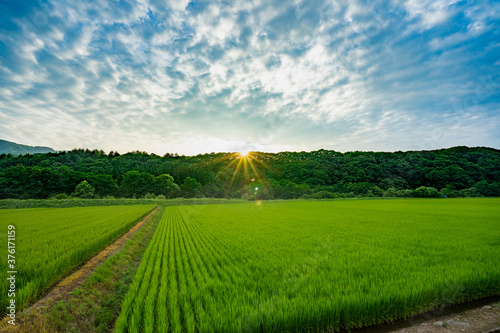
point(245, 161)
point(244, 164)
point(244, 153)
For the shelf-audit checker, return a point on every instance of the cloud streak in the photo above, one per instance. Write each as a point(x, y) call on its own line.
point(195, 77)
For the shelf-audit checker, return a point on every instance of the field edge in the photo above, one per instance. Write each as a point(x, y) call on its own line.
point(68, 282)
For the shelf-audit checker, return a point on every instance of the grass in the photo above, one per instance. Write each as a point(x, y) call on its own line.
point(312, 266)
point(51, 242)
point(65, 203)
point(95, 304)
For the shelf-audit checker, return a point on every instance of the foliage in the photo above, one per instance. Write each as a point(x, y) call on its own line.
point(256, 267)
point(487, 189)
point(137, 183)
point(164, 185)
point(84, 190)
point(191, 188)
point(323, 195)
point(453, 172)
point(75, 202)
point(60, 196)
point(426, 192)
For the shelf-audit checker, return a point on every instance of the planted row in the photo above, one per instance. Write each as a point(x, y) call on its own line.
point(50, 242)
point(302, 266)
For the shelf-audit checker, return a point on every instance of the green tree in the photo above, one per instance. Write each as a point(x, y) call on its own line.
point(458, 171)
point(104, 185)
point(449, 191)
point(164, 185)
point(84, 190)
point(191, 188)
point(262, 190)
point(487, 189)
point(212, 190)
point(138, 184)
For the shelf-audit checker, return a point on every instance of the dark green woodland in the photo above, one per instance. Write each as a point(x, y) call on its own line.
point(453, 172)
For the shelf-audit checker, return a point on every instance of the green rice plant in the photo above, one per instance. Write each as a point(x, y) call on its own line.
point(51, 242)
point(313, 266)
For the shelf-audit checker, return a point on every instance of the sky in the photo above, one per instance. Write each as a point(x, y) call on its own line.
point(264, 75)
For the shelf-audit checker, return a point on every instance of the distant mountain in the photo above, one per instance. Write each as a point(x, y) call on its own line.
point(7, 147)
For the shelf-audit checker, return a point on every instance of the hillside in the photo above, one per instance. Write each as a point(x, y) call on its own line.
point(7, 147)
point(453, 172)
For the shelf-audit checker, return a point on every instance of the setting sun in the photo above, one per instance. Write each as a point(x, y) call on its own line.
point(244, 153)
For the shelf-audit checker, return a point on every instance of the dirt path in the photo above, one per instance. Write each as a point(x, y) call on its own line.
point(475, 317)
point(482, 319)
point(68, 284)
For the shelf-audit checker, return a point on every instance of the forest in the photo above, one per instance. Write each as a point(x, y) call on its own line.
point(323, 174)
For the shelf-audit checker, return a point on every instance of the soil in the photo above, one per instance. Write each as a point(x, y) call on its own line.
point(483, 319)
point(63, 289)
point(474, 317)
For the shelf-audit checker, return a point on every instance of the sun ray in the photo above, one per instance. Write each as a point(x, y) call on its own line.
point(257, 175)
point(245, 167)
point(220, 159)
point(260, 161)
point(232, 162)
point(238, 166)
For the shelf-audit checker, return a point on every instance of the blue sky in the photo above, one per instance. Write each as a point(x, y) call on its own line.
point(206, 76)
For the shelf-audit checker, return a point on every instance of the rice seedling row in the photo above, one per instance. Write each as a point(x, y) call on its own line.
point(51, 242)
point(303, 266)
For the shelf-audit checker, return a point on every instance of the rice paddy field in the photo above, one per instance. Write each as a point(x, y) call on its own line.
point(51, 242)
point(312, 266)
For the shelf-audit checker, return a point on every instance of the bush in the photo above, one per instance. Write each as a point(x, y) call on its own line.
point(449, 192)
point(404, 193)
point(426, 192)
point(470, 193)
point(391, 192)
point(248, 196)
point(84, 191)
point(487, 189)
point(377, 191)
point(323, 195)
point(61, 196)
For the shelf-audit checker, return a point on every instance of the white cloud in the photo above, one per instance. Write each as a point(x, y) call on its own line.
point(199, 79)
point(179, 5)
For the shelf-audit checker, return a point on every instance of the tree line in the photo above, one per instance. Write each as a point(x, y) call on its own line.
point(453, 172)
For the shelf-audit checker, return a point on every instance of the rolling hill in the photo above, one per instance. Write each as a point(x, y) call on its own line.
point(7, 147)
